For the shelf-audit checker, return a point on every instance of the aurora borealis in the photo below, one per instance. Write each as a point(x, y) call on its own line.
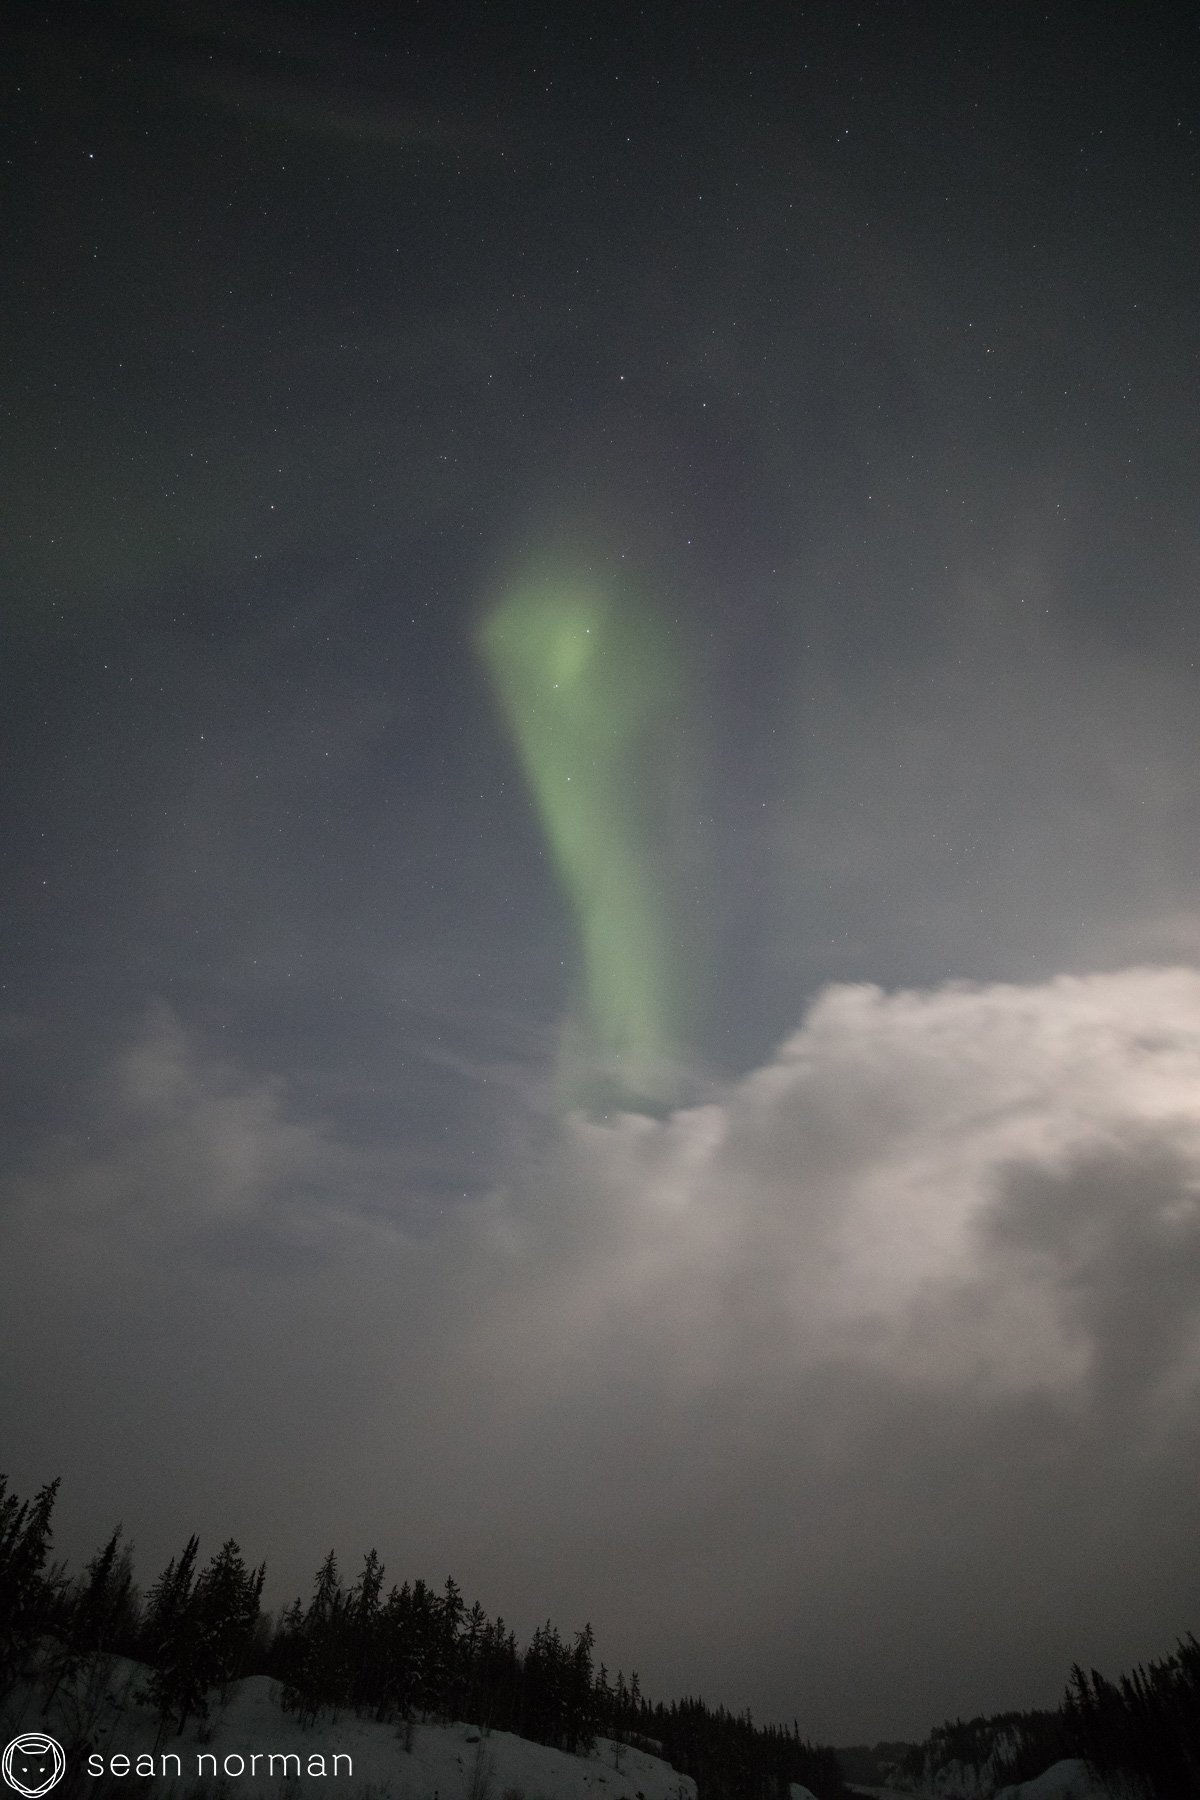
point(592, 692)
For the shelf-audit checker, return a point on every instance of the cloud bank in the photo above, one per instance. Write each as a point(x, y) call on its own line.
point(832, 1395)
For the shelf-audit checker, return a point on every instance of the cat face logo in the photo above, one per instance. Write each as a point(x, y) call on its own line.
point(33, 1763)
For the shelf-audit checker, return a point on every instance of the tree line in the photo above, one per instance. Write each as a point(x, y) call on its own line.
point(1140, 1733)
point(1006, 1748)
point(1145, 1726)
point(402, 1653)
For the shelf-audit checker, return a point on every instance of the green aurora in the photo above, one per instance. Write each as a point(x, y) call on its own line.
point(591, 686)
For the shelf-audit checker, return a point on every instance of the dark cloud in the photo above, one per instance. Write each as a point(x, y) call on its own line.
point(1117, 1239)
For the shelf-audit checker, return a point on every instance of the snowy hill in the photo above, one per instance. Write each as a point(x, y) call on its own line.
point(251, 1747)
point(1066, 1780)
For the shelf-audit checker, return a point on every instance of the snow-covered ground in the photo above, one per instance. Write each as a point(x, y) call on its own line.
point(1068, 1780)
point(250, 1749)
point(445, 1762)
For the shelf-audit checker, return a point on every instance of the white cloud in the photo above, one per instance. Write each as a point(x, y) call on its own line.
point(836, 1203)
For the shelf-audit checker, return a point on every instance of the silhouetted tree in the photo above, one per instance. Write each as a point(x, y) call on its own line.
point(319, 1675)
point(176, 1685)
point(28, 1597)
point(225, 1604)
point(98, 1617)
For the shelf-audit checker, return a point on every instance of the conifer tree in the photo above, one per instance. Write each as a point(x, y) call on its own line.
point(465, 1697)
point(363, 1620)
point(174, 1644)
point(580, 1720)
point(28, 1597)
point(319, 1674)
point(168, 1600)
point(443, 1676)
point(226, 1607)
point(98, 1618)
point(396, 1652)
point(422, 1648)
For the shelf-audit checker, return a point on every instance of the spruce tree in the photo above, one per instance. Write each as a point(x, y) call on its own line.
point(319, 1675)
point(364, 1611)
point(98, 1618)
point(226, 1609)
point(28, 1597)
point(580, 1720)
point(177, 1685)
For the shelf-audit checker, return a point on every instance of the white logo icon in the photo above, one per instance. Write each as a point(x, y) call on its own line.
point(33, 1763)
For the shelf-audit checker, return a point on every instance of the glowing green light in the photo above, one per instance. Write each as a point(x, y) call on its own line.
point(589, 683)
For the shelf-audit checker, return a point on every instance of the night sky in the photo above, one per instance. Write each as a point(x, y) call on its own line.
point(600, 909)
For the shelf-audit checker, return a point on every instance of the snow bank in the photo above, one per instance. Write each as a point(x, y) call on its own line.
point(1067, 1780)
point(445, 1762)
